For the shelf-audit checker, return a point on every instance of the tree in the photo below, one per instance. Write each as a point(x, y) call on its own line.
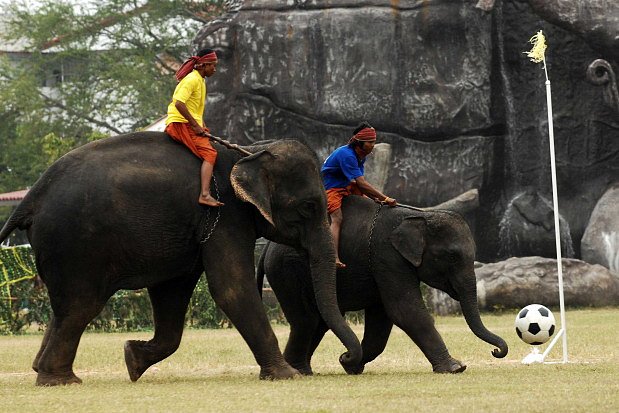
point(92, 69)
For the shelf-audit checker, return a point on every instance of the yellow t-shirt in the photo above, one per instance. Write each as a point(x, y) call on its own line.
point(191, 90)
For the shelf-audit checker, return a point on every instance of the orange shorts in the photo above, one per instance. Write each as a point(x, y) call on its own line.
point(336, 195)
point(199, 145)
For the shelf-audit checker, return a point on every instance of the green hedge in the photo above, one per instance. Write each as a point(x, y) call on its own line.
point(24, 302)
point(17, 281)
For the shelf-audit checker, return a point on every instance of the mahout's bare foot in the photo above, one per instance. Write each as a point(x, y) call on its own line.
point(209, 201)
point(339, 264)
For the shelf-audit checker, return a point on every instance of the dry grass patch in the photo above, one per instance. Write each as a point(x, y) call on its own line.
point(214, 371)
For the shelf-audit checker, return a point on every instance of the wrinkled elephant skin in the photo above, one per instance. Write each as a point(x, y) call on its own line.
point(121, 213)
point(388, 252)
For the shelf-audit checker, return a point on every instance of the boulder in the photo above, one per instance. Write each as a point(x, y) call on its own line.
point(528, 228)
point(600, 243)
point(517, 282)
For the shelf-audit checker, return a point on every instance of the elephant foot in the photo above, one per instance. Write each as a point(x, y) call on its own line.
point(136, 366)
point(55, 379)
point(281, 372)
point(349, 367)
point(303, 368)
point(450, 366)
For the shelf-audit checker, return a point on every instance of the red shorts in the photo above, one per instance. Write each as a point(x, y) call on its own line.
point(335, 196)
point(199, 145)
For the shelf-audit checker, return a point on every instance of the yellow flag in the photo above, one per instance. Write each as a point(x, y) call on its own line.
point(536, 54)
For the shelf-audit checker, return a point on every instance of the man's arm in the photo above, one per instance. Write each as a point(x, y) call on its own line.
point(370, 191)
point(182, 109)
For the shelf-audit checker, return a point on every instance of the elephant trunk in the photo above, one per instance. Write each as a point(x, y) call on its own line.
point(321, 254)
point(470, 309)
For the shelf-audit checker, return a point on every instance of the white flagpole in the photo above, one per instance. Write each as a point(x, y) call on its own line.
point(555, 204)
point(537, 55)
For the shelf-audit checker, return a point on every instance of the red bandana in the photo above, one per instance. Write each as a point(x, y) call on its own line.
point(187, 67)
point(364, 135)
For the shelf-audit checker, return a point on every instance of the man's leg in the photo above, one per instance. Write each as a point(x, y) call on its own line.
point(336, 224)
point(206, 173)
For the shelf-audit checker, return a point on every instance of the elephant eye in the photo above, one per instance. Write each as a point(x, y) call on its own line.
point(453, 257)
point(307, 209)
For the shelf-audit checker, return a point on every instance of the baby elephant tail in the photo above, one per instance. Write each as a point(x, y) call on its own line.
point(260, 268)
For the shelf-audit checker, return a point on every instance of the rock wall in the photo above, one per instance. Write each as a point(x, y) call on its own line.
point(447, 86)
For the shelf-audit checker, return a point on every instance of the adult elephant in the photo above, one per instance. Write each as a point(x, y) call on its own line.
point(121, 213)
point(388, 252)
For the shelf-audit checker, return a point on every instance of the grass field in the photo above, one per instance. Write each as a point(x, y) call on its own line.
point(214, 371)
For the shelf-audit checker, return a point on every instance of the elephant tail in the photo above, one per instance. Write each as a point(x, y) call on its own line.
point(21, 218)
point(260, 268)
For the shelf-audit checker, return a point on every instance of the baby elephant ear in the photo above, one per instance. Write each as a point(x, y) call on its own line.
point(251, 182)
point(409, 239)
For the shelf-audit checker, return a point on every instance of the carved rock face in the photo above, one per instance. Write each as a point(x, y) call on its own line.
point(445, 84)
point(596, 21)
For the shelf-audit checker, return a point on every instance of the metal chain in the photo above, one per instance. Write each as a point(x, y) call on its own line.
point(380, 205)
point(208, 234)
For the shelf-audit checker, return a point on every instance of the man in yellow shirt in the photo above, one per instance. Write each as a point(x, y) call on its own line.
point(185, 124)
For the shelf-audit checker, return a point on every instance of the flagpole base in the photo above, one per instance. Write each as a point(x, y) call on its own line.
point(533, 357)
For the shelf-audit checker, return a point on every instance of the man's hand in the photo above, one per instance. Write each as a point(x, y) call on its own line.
point(389, 201)
point(197, 129)
point(200, 131)
point(195, 126)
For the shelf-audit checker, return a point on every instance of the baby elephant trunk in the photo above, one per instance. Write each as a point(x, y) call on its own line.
point(470, 310)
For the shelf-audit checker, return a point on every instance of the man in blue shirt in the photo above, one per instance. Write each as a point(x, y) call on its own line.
point(342, 175)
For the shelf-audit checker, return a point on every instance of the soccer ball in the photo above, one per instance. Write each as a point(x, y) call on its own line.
point(535, 324)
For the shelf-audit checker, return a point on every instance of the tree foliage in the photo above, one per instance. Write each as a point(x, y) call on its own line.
point(90, 69)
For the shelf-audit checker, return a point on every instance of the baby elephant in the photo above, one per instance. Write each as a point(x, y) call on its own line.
point(388, 253)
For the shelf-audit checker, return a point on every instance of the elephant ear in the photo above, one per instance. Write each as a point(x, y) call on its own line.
point(409, 239)
point(251, 182)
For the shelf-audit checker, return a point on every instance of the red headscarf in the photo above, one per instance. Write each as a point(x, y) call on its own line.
point(364, 135)
point(188, 65)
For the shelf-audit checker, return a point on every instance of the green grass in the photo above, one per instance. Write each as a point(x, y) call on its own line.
point(214, 371)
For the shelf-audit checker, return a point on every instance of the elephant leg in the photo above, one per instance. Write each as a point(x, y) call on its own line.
point(303, 323)
point(319, 333)
point(54, 363)
point(408, 311)
point(232, 285)
point(376, 334)
point(169, 301)
point(307, 335)
point(302, 331)
point(35, 363)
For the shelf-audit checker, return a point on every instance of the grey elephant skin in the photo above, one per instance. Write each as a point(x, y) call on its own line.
point(388, 254)
point(122, 213)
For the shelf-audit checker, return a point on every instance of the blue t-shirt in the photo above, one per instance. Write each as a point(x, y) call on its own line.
point(341, 167)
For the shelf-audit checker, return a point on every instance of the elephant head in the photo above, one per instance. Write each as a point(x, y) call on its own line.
point(439, 244)
point(283, 182)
